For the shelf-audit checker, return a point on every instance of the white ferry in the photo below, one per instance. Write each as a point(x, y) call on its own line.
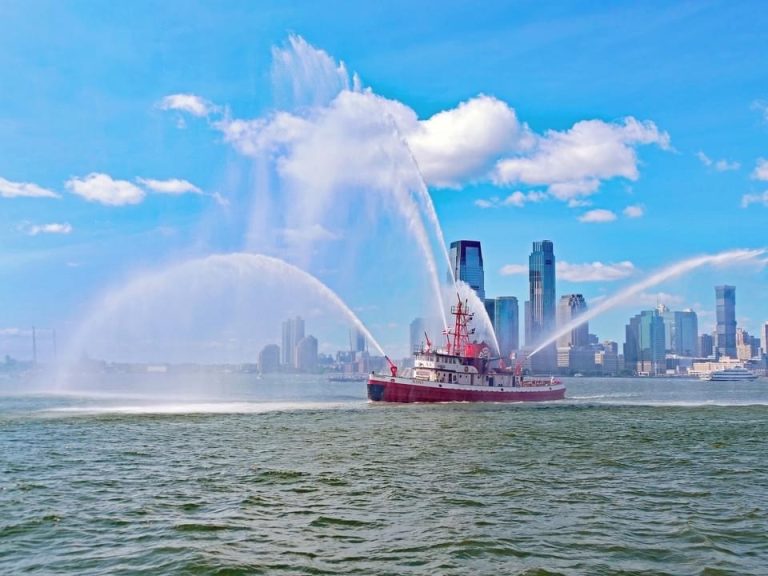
point(734, 374)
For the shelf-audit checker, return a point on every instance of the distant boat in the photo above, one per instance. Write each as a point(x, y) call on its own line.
point(734, 374)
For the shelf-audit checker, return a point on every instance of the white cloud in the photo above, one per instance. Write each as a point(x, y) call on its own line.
point(103, 189)
point(512, 269)
point(761, 169)
point(490, 203)
point(762, 107)
point(53, 228)
point(10, 189)
point(598, 215)
point(651, 300)
point(173, 186)
point(573, 162)
point(460, 144)
point(635, 211)
point(517, 199)
point(594, 271)
point(719, 165)
point(189, 103)
point(748, 199)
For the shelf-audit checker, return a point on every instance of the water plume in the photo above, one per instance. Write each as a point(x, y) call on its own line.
point(720, 259)
point(220, 297)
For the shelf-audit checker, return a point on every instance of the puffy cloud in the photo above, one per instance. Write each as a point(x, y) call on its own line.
point(650, 299)
point(594, 271)
point(635, 211)
point(53, 228)
point(517, 199)
point(573, 162)
point(513, 269)
point(762, 107)
point(189, 103)
point(481, 139)
point(761, 169)
point(719, 165)
point(173, 186)
point(101, 188)
point(460, 144)
point(598, 215)
point(10, 189)
point(748, 199)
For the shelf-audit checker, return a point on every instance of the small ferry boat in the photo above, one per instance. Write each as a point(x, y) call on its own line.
point(462, 371)
point(734, 374)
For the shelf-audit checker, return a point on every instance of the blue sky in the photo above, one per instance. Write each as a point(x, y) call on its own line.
point(629, 134)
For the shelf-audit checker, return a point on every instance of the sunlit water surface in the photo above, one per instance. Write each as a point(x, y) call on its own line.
point(234, 475)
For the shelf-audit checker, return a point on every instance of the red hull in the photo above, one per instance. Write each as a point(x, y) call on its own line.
point(385, 390)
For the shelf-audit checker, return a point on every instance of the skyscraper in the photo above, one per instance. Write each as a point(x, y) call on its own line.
point(541, 279)
point(681, 331)
point(467, 263)
point(644, 346)
point(506, 324)
point(293, 332)
point(764, 338)
point(726, 321)
point(570, 307)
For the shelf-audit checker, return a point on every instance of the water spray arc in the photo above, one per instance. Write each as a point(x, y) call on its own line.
point(429, 207)
point(237, 266)
point(722, 258)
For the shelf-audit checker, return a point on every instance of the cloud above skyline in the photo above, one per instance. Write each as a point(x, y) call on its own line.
point(597, 216)
point(761, 170)
point(102, 188)
point(587, 272)
point(719, 165)
point(52, 228)
point(636, 211)
point(9, 189)
point(479, 140)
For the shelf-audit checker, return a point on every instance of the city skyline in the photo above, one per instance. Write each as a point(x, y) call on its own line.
point(127, 149)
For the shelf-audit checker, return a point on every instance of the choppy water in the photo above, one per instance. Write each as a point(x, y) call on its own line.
point(234, 476)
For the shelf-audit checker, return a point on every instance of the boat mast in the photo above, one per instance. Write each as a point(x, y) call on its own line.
point(460, 330)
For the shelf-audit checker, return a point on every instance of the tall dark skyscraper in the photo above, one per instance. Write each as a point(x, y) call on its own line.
point(726, 320)
point(541, 278)
point(506, 324)
point(467, 263)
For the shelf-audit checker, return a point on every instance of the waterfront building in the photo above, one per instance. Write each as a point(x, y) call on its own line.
point(725, 297)
point(706, 345)
point(681, 331)
point(306, 354)
point(644, 348)
point(607, 362)
point(541, 286)
point(293, 332)
point(357, 341)
point(764, 338)
point(269, 359)
point(570, 307)
point(747, 346)
point(542, 319)
point(490, 309)
point(506, 324)
point(467, 263)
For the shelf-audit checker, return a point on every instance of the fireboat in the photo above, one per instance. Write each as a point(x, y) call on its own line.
point(462, 371)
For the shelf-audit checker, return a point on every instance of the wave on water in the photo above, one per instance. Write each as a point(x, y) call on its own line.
point(197, 408)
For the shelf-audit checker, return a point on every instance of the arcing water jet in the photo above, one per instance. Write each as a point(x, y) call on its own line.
point(723, 258)
point(179, 301)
